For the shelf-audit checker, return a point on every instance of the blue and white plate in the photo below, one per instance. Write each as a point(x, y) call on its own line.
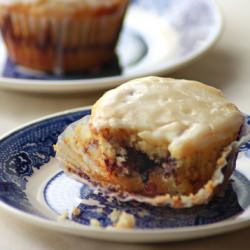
point(33, 188)
point(159, 36)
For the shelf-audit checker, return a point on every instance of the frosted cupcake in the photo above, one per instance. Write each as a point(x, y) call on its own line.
point(61, 36)
point(156, 140)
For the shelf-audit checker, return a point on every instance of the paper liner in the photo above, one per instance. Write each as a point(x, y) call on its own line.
point(61, 44)
point(225, 166)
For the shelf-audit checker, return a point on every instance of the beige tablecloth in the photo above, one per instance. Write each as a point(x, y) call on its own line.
point(226, 66)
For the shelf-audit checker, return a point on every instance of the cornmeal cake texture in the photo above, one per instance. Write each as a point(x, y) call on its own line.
point(159, 139)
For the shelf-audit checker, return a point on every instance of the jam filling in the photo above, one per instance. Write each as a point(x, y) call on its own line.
point(139, 162)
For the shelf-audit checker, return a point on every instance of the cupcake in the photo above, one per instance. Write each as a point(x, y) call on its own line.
point(61, 36)
point(156, 140)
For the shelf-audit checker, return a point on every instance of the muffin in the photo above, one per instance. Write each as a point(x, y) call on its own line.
point(61, 36)
point(155, 140)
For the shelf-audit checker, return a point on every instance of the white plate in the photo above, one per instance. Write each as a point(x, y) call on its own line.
point(158, 37)
point(34, 189)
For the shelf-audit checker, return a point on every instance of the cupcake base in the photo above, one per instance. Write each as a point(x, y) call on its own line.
point(65, 61)
point(62, 42)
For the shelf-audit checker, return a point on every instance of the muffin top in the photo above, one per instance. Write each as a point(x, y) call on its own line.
point(183, 115)
point(57, 6)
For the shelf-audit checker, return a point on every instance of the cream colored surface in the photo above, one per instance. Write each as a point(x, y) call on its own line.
point(186, 112)
point(227, 67)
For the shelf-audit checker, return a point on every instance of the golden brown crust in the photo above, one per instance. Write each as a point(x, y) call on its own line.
point(47, 60)
point(59, 8)
point(62, 38)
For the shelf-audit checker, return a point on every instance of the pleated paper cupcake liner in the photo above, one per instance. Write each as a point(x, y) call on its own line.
point(58, 44)
point(70, 155)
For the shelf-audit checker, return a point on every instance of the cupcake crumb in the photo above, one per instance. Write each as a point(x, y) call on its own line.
point(55, 147)
point(110, 227)
point(99, 210)
point(121, 220)
point(76, 211)
point(114, 215)
point(95, 223)
point(63, 216)
point(125, 221)
point(142, 213)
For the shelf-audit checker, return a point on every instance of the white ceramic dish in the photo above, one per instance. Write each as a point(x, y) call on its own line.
point(34, 189)
point(158, 37)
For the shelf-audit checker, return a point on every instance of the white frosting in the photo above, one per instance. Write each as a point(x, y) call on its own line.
point(184, 115)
